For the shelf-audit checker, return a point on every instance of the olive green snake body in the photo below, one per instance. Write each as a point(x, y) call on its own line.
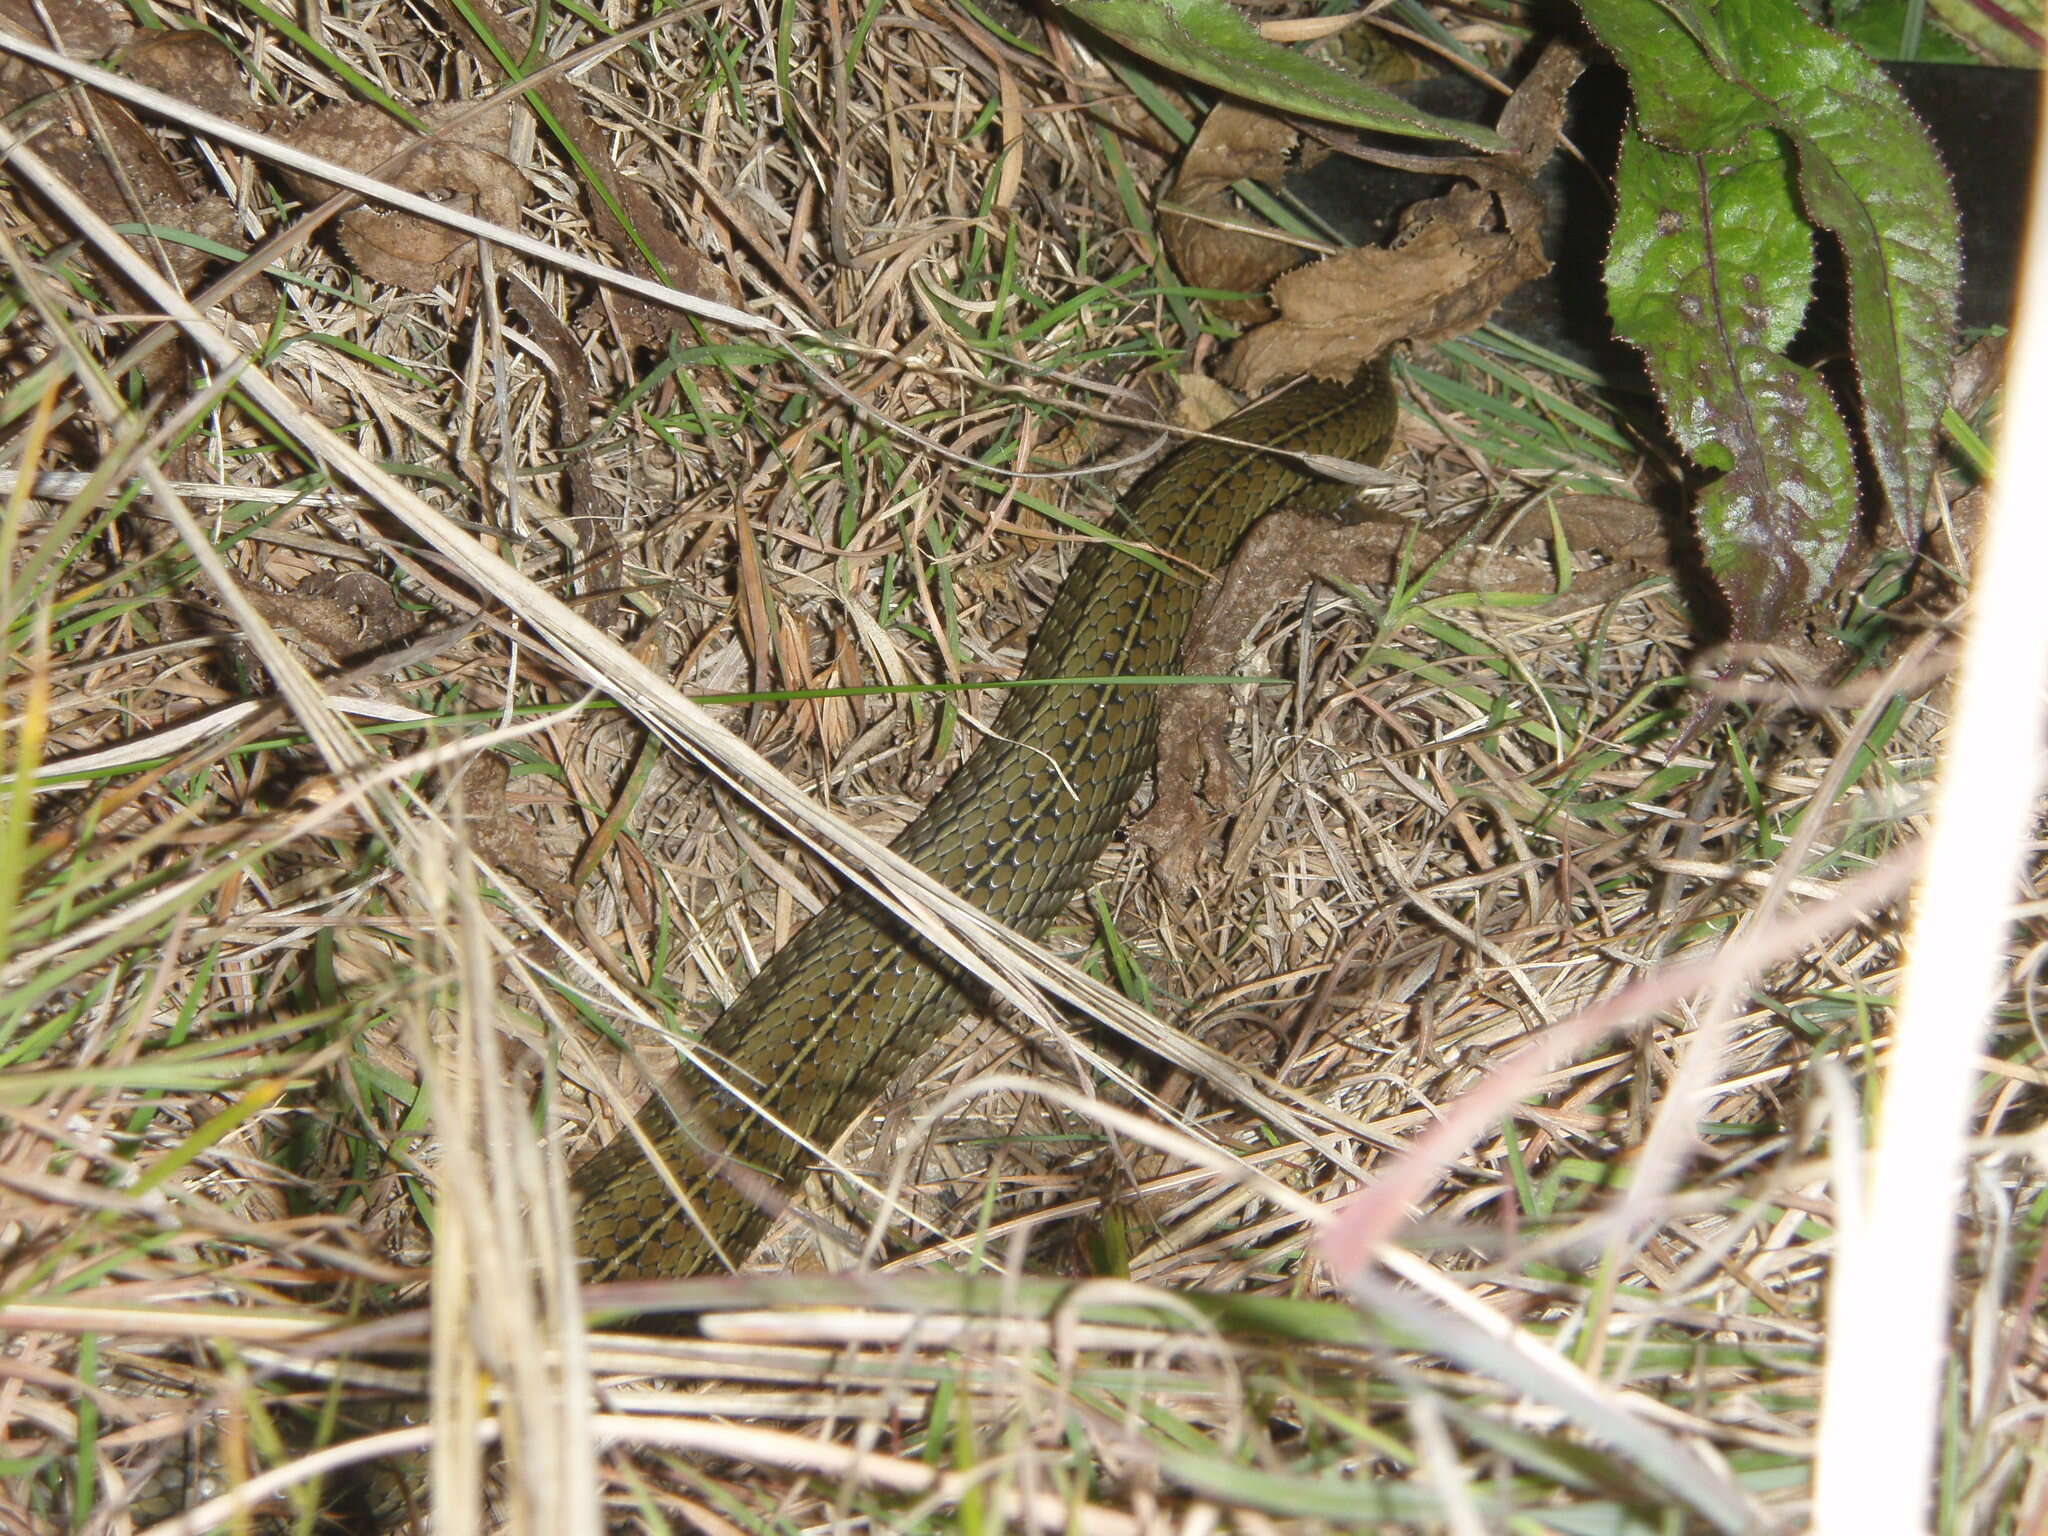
point(842, 1009)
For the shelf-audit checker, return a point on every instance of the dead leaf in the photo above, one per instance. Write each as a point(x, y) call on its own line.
point(1203, 402)
point(338, 617)
point(1198, 220)
point(1445, 276)
point(1456, 258)
point(85, 29)
point(193, 66)
point(466, 170)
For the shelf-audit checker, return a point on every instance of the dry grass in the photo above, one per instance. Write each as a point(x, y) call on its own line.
point(283, 1001)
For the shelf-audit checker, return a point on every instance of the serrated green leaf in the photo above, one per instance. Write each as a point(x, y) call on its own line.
point(1708, 274)
point(1207, 40)
point(1705, 81)
point(1870, 177)
point(1682, 101)
point(2001, 34)
point(1745, 229)
point(1774, 528)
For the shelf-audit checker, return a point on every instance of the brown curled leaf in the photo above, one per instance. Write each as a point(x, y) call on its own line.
point(1198, 215)
point(467, 170)
point(1455, 260)
point(193, 66)
point(100, 148)
point(1450, 270)
point(85, 29)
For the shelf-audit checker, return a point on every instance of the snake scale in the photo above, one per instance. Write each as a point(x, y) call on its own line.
point(844, 1007)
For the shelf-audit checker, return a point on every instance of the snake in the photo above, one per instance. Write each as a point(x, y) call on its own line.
point(842, 1010)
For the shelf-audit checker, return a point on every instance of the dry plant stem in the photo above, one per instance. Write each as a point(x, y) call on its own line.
point(215, 724)
point(1692, 1088)
point(775, 1448)
point(281, 153)
point(63, 485)
point(672, 261)
point(505, 1268)
point(1370, 1221)
point(1890, 1302)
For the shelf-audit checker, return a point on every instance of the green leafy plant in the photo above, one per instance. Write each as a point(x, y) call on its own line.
point(1754, 130)
point(1752, 127)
